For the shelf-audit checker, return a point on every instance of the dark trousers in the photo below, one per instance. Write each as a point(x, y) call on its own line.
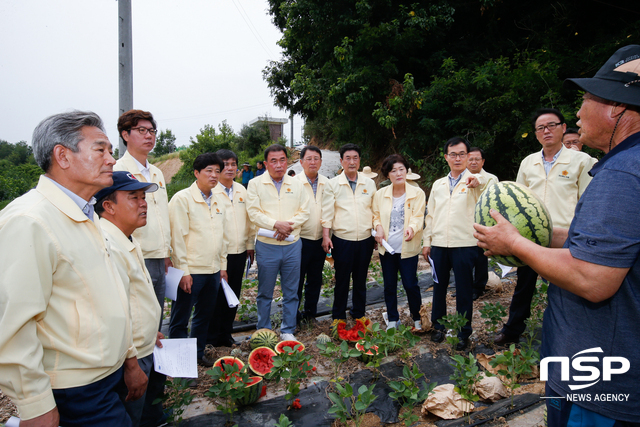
point(351, 261)
point(99, 404)
point(408, 267)
point(520, 308)
point(203, 296)
point(221, 325)
point(313, 257)
point(481, 272)
point(462, 261)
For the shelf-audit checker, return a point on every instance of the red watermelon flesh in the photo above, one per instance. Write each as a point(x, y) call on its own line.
point(291, 343)
point(261, 360)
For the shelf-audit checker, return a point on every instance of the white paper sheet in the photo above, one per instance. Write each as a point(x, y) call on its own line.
point(433, 271)
point(176, 358)
point(505, 269)
point(13, 422)
point(231, 297)
point(172, 279)
point(272, 234)
point(386, 245)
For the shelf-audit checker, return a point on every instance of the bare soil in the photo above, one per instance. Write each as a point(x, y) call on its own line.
point(169, 167)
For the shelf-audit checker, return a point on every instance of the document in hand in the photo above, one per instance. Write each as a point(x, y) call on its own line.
point(176, 358)
point(272, 234)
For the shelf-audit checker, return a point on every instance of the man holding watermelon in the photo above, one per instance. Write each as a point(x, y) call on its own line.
point(594, 266)
point(558, 176)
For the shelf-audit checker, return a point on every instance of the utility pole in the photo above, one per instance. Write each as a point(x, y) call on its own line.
point(291, 131)
point(125, 57)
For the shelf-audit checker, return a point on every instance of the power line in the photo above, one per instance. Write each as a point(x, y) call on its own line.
point(253, 29)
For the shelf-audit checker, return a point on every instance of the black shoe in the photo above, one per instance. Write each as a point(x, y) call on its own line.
point(205, 361)
point(477, 294)
point(437, 336)
point(502, 339)
point(462, 344)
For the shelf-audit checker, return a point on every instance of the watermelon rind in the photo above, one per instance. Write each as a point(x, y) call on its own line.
point(255, 353)
point(251, 391)
point(264, 338)
point(323, 339)
point(522, 208)
point(228, 360)
point(289, 343)
point(367, 356)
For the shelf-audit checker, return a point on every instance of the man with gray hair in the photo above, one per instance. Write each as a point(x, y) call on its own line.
point(66, 349)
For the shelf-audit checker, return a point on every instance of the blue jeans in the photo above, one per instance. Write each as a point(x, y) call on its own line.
point(272, 259)
point(408, 268)
point(462, 261)
point(203, 296)
point(134, 407)
point(99, 404)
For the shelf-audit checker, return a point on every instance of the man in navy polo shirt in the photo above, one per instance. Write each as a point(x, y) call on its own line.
point(594, 298)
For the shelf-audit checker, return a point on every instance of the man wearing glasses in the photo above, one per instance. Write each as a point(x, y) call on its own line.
point(138, 131)
point(571, 139)
point(448, 236)
point(559, 177)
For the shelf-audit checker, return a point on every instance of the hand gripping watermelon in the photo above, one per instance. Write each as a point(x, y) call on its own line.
point(292, 344)
point(264, 338)
point(251, 391)
point(260, 360)
point(522, 208)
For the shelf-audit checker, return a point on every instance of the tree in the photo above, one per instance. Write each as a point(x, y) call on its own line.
point(404, 77)
point(165, 143)
point(252, 139)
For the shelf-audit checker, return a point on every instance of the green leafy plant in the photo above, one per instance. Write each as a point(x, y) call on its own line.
point(283, 422)
point(466, 375)
point(176, 398)
point(228, 387)
point(357, 405)
point(514, 364)
point(291, 367)
point(407, 391)
point(376, 342)
point(339, 355)
point(494, 314)
point(454, 323)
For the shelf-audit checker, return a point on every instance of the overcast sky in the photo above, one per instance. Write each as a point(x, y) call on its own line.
point(195, 62)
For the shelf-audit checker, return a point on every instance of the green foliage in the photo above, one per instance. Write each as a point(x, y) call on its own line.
point(18, 171)
point(357, 405)
point(493, 312)
point(228, 387)
point(165, 143)
point(466, 376)
point(253, 139)
point(290, 367)
point(283, 422)
point(339, 355)
point(247, 309)
point(408, 392)
point(176, 398)
point(514, 365)
point(454, 323)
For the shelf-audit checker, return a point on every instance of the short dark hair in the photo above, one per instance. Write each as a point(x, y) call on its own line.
point(387, 164)
point(479, 150)
point(274, 148)
point(572, 130)
point(312, 148)
point(291, 173)
point(349, 147)
point(130, 120)
point(98, 206)
point(260, 163)
point(455, 141)
point(207, 159)
point(542, 111)
point(225, 154)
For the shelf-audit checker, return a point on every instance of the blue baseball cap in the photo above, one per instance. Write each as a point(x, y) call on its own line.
point(125, 181)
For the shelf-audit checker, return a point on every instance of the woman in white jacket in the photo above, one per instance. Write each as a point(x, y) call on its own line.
point(398, 218)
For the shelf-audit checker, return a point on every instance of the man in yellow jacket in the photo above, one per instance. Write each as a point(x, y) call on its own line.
point(558, 176)
point(241, 235)
point(200, 250)
point(448, 237)
point(122, 208)
point(313, 255)
point(346, 212)
point(64, 312)
point(278, 206)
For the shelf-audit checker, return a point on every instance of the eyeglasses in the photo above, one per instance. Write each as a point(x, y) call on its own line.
point(551, 126)
point(457, 155)
point(143, 130)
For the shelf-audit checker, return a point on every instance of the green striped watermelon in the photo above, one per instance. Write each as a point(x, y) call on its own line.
point(522, 208)
point(264, 338)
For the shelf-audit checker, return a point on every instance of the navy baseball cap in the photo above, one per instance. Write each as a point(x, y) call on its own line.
point(125, 181)
point(618, 80)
